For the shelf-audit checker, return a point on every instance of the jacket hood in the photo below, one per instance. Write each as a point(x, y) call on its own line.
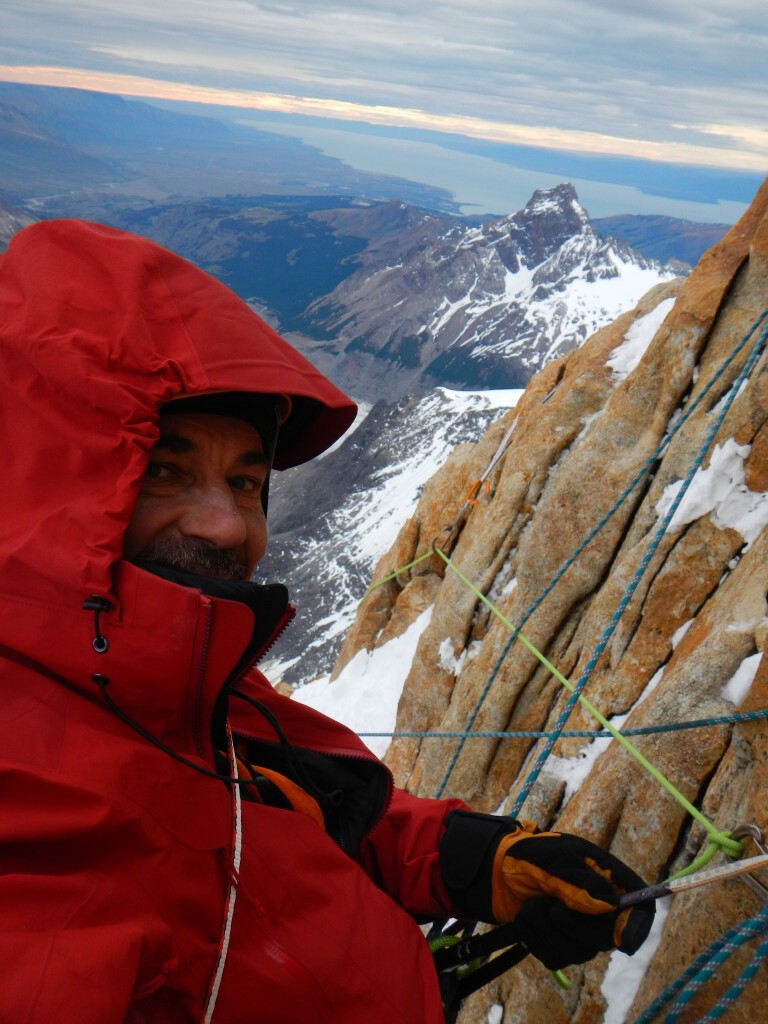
point(98, 329)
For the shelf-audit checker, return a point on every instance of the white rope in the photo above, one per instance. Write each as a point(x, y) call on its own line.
point(230, 912)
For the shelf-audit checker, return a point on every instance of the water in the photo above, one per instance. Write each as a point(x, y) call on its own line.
point(483, 185)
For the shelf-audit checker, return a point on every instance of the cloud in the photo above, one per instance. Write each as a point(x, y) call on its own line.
point(656, 75)
point(473, 127)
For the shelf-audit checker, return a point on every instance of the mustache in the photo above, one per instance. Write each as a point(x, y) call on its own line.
point(190, 555)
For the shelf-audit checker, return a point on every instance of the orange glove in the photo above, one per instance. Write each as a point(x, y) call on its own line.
point(560, 890)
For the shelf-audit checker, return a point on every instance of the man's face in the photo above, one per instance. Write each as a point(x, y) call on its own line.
point(200, 507)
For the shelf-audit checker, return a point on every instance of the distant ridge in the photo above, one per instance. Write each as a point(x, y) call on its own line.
point(665, 239)
point(105, 148)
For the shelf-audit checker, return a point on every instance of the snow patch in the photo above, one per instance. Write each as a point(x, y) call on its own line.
point(363, 408)
point(625, 974)
point(504, 398)
point(625, 358)
point(574, 770)
point(737, 687)
point(495, 1014)
point(450, 662)
point(678, 635)
point(365, 694)
point(721, 491)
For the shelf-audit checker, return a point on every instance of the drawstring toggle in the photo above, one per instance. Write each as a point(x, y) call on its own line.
point(97, 605)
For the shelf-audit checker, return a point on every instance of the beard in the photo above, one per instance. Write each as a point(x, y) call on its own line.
point(195, 556)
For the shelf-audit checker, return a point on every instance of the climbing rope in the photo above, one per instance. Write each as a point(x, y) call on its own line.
point(683, 989)
point(723, 948)
point(590, 734)
point(515, 631)
point(715, 837)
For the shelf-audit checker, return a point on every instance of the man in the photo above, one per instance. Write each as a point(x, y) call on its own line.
point(178, 842)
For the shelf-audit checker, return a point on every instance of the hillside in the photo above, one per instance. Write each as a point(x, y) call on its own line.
point(11, 221)
point(75, 152)
point(664, 239)
point(660, 614)
point(332, 519)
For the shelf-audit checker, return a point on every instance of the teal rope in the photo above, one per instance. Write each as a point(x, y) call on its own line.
point(647, 730)
point(682, 989)
point(650, 462)
point(640, 571)
point(733, 993)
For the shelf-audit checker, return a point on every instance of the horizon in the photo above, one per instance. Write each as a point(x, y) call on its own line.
point(636, 100)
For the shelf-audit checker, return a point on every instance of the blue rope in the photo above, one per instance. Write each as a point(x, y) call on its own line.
point(682, 989)
point(645, 468)
point(733, 993)
point(646, 730)
point(705, 964)
point(640, 571)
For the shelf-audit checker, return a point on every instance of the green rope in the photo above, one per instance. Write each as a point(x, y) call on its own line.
point(392, 575)
point(720, 839)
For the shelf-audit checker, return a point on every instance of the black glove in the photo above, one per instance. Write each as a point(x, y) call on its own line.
point(560, 890)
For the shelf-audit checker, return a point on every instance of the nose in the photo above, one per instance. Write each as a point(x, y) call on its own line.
point(212, 515)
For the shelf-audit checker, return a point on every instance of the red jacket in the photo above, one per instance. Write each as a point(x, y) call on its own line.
point(132, 887)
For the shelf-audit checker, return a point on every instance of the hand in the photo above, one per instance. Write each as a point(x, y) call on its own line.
point(562, 893)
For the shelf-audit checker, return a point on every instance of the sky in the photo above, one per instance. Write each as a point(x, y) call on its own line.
point(678, 82)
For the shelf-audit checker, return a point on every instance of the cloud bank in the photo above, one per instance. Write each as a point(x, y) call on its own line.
point(678, 81)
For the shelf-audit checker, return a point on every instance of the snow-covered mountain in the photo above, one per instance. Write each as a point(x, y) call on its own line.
point(11, 221)
point(444, 303)
point(496, 303)
point(332, 520)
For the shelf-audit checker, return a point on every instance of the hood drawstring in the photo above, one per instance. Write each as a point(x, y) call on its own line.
point(103, 682)
point(268, 604)
point(332, 799)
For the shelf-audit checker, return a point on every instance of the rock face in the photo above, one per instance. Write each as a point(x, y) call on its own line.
point(587, 425)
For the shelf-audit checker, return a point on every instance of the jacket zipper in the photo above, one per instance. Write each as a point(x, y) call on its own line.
point(283, 623)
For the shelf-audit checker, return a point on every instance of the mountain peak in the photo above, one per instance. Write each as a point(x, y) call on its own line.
point(549, 219)
point(479, 307)
point(560, 201)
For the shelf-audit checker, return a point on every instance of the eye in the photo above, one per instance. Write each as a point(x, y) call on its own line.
point(158, 471)
point(246, 484)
